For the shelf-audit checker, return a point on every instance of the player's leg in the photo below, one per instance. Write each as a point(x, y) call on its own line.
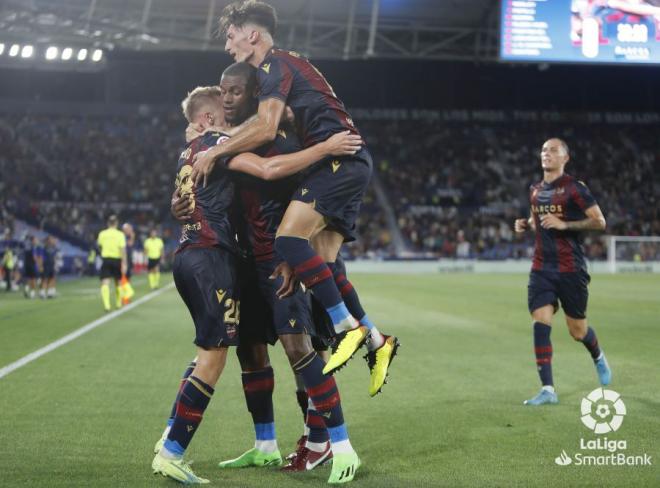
point(542, 303)
point(157, 276)
point(574, 295)
point(258, 385)
point(299, 224)
point(317, 448)
point(192, 401)
point(381, 349)
point(199, 275)
point(170, 420)
point(324, 396)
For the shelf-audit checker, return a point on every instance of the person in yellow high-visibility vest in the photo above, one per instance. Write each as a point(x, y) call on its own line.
point(112, 244)
point(153, 248)
point(8, 267)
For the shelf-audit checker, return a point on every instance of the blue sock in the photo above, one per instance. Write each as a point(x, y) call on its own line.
point(543, 352)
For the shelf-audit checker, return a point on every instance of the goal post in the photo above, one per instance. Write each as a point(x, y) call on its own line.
point(633, 254)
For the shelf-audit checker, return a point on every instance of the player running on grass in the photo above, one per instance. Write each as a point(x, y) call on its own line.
point(323, 210)
point(561, 207)
point(204, 105)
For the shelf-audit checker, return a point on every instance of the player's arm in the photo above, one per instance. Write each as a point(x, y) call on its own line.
point(594, 221)
point(283, 165)
point(253, 135)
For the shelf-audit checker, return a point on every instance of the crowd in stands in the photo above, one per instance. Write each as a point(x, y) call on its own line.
point(454, 188)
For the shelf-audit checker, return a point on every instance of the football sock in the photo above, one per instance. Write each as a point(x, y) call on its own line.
point(352, 301)
point(157, 279)
point(193, 400)
point(323, 393)
point(316, 276)
point(543, 352)
point(151, 280)
point(590, 341)
point(318, 434)
point(187, 373)
point(105, 296)
point(258, 388)
point(117, 295)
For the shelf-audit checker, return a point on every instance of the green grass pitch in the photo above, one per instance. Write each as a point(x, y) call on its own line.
point(88, 413)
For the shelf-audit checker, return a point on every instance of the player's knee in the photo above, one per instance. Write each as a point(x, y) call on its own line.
point(253, 357)
point(296, 346)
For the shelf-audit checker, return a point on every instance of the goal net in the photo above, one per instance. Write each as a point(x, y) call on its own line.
point(633, 254)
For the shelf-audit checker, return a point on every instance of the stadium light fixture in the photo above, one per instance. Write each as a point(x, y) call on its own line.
point(27, 51)
point(97, 56)
point(82, 54)
point(2, 48)
point(67, 52)
point(13, 50)
point(52, 52)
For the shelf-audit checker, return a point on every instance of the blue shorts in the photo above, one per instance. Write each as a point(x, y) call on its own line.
point(206, 280)
point(264, 316)
point(335, 187)
point(553, 288)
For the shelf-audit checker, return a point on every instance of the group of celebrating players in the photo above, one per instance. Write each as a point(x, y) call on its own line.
point(267, 190)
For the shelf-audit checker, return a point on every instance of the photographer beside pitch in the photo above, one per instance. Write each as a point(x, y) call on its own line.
point(561, 207)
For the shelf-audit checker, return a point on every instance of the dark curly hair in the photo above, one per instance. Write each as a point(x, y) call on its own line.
point(248, 12)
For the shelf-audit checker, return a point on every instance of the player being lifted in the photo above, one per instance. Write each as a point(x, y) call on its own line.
point(323, 210)
point(561, 207)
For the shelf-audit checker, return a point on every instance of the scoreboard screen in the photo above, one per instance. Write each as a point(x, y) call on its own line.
point(583, 31)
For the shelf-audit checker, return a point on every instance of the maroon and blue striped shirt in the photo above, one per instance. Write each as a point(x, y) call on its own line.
point(568, 199)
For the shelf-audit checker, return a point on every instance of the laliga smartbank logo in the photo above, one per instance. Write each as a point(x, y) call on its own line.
point(602, 412)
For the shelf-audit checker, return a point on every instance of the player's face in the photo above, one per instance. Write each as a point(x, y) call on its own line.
point(553, 155)
point(238, 43)
point(237, 101)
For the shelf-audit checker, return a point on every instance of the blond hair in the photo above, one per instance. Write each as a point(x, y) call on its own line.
point(197, 98)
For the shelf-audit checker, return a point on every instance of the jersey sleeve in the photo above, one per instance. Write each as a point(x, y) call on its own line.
point(582, 196)
point(274, 78)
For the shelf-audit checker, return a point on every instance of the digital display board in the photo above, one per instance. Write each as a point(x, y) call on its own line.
point(584, 31)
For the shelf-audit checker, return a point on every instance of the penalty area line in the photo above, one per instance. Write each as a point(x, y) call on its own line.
point(4, 371)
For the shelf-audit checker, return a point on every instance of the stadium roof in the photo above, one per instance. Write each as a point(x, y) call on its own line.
point(331, 29)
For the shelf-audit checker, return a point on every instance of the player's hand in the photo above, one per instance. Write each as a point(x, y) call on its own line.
point(203, 164)
point(181, 206)
point(520, 225)
point(289, 281)
point(551, 221)
point(343, 144)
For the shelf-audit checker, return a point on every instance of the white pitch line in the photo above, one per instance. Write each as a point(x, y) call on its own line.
point(4, 371)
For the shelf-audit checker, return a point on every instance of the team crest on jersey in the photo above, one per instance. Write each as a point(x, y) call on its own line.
point(186, 154)
point(266, 68)
point(560, 190)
